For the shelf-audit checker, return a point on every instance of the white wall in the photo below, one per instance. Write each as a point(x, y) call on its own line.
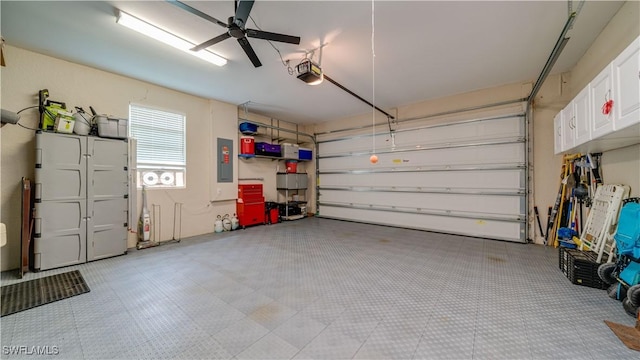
point(27, 72)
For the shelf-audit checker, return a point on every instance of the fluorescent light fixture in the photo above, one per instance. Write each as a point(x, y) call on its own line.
point(161, 35)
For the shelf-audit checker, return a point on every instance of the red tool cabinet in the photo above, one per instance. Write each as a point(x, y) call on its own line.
point(250, 204)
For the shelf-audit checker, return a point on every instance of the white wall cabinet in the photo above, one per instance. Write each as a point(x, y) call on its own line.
point(601, 91)
point(581, 113)
point(583, 126)
point(557, 133)
point(81, 190)
point(568, 127)
point(626, 84)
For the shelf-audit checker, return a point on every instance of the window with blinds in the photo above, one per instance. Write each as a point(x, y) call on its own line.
point(161, 146)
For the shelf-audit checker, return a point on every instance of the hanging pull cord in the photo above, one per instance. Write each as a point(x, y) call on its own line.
point(373, 75)
point(374, 158)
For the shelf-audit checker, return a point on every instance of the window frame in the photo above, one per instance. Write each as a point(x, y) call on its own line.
point(179, 170)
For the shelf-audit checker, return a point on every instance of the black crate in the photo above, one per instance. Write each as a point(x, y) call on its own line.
point(580, 267)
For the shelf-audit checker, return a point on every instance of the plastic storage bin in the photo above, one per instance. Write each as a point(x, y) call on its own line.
point(112, 127)
point(263, 148)
point(292, 166)
point(248, 128)
point(290, 151)
point(580, 267)
point(305, 154)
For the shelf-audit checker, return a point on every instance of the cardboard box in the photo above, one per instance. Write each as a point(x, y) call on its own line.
point(64, 125)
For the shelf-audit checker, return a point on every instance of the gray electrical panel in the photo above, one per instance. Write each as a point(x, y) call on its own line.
point(291, 181)
point(225, 160)
point(81, 190)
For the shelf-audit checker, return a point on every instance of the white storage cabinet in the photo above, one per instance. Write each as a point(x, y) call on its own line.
point(81, 199)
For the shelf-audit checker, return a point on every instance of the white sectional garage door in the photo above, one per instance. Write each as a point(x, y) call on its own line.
point(465, 177)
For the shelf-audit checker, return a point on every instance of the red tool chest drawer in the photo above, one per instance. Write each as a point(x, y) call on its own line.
point(250, 205)
point(250, 193)
point(250, 213)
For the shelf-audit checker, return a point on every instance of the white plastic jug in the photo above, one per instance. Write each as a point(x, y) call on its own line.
point(217, 225)
point(235, 222)
point(226, 223)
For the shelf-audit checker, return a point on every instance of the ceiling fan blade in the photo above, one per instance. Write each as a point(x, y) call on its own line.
point(208, 43)
point(265, 35)
point(242, 12)
point(197, 12)
point(249, 51)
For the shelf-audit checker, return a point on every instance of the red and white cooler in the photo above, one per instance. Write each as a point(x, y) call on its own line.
point(247, 145)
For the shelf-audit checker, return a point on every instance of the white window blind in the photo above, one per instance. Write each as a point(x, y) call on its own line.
point(161, 148)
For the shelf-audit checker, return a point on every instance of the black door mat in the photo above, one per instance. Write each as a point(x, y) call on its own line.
point(29, 294)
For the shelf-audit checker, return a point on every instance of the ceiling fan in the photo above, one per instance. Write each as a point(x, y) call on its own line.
point(235, 26)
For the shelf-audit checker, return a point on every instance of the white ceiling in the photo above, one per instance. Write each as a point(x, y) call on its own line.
point(423, 49)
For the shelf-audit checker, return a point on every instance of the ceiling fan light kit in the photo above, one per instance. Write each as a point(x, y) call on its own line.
point(166, 37)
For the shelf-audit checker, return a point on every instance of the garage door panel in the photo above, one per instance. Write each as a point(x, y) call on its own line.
point(494, 204)
point(503, 128)
point(512, 231)
point(461, 178)
point(502, 179)
point(472, 155)
point(475, 131)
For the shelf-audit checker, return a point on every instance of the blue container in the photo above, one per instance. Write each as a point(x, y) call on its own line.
point(304, 154)
point(628, 233)
point(248, 128)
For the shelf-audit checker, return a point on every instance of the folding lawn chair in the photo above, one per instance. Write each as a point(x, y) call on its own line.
point(597, 234)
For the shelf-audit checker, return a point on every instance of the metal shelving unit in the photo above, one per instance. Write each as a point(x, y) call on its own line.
point(289, 182)
point(279, 134)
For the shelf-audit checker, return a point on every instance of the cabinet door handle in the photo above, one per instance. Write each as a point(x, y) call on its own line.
point(559, 133)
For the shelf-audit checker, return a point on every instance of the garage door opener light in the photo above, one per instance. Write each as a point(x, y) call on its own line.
point(309, 72)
